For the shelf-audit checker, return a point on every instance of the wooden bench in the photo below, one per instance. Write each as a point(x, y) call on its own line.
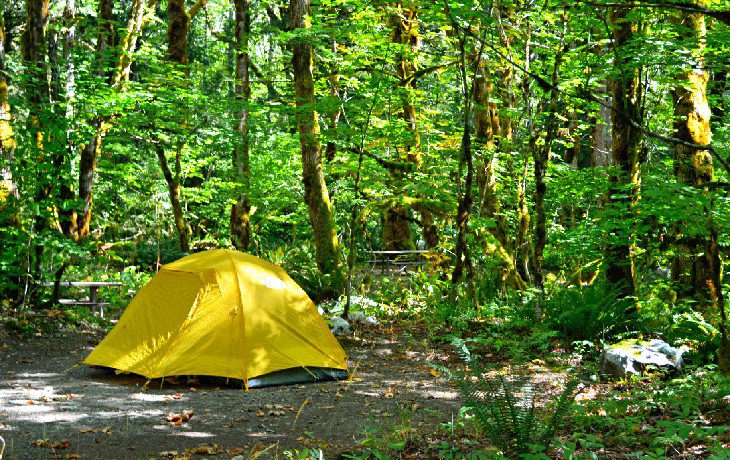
point(92, 301)
point(397, 261)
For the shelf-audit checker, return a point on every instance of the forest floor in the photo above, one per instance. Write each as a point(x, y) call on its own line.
point(50, 407)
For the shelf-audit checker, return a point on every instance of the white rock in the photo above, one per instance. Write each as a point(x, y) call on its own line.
point(634, 356)
point(359, 317)
point(340, 326)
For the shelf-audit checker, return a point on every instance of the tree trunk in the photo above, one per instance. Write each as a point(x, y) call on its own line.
point(486, 128)
point(105, 39)
point(240, 212)
point(601, 131)
point(7, 136)
point(128, 45)
point(174, 189)
point(625, 153)
point(396, 228)
point(329, 259)
point(334, 81)
point(541, 159)
point(178, 28)
point(697, 266)
point(34, 50)
point(118, 79)
point(463, 255)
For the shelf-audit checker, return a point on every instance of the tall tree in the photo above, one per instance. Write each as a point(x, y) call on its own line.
point(693, 166)
point(316, 196)
point(7, 136)
point(37, 89)
point(541, 158)
point(396, 224)
point(178, 28)
point(626, 151)
point(240, 211)
point(698, 266)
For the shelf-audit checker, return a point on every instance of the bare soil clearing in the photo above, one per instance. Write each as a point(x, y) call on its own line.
point(51, 408)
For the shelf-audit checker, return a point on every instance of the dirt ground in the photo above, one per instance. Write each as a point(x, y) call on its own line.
point(50, 407)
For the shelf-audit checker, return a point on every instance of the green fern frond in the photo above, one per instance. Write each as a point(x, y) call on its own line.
point(504, 407)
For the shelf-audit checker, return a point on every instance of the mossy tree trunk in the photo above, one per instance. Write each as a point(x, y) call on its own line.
point(7, 136)
point(627, 145)
point(541, 159)
point(316, 196)
point(178, 28)
point(117, 77)
point(692, 166)
point(241, 210)
point(698, 267)
point(463, 255)
point(396, 223)
point(174, 189)
point(38, 94)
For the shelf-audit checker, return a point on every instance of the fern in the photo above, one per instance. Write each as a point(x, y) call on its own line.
point(504, 407)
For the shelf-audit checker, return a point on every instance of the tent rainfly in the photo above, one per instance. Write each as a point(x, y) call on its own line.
point(223, 313)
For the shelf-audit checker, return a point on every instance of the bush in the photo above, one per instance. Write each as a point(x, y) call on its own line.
point(504, 408)
point(589, 313)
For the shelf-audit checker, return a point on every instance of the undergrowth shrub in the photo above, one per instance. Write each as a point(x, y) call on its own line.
point(589, 312)
point(505, 408)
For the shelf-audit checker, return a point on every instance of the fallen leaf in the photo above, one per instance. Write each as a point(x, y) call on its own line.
point(434, 373)
point(260, 413)
point(107, 430)
point(42, 443)
point(276, 413)
point(62, 444)
point(388, 395)
point(170, 397)
point(206, 449)
point(30, 401)
point(73, 456)
point(168, 453)
point(89, 430)
point(4, 414)
point(179, 419)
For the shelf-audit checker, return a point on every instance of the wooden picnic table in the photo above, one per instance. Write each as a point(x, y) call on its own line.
point(92, 301)
point(398, 260)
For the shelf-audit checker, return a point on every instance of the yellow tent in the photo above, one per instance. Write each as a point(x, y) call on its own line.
point(227, 314)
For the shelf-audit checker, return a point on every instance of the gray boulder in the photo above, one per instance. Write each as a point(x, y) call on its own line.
point(633, 357)
point(340, 326)
point(360, 317)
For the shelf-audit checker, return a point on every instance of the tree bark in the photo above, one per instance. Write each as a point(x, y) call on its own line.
point(128, 44)
point(396, 229)
point(697, 266)
point(8, 190)
point(541, 159)
point(466, 200)
point(627, 145)
point(174, 189)
point(486, 129)
point(7, 136)
point(316, 196)
point(178, 28)
point(240, 212)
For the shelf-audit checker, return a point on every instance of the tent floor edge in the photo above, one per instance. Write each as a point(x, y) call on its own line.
point(296, 375)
